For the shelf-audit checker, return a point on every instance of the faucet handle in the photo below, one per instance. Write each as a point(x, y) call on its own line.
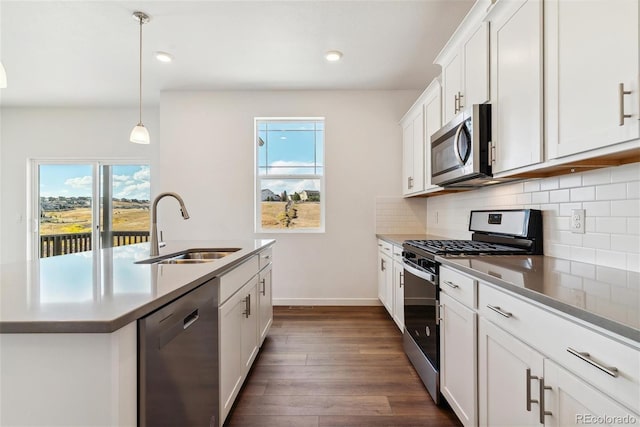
point(161, 243)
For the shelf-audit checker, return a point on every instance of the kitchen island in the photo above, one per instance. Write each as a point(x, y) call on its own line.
point(68, 342)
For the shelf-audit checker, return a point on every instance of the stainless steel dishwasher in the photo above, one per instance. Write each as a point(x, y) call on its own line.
point(178, 361)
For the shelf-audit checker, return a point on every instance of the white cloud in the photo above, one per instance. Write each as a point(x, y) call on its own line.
point(286, 167)
point(291, 185)
point(143, 174)
point(138, 191)
point(81, 182)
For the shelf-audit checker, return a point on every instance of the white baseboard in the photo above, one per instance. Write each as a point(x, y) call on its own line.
point(326, 301)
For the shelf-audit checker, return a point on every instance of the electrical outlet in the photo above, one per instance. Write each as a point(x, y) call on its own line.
point(577, 220)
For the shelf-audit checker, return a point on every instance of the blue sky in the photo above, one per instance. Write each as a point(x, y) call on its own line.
point(129, 181)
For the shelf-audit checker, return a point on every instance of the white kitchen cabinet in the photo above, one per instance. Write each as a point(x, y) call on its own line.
point(265, 302)
point(458, 357)
point(465, 63)
point(516, 83)
point(570, 401)
point(398, 288)
point(506, 387)
point(418, 124)
point(385, 277)
point(591, 47)
point(413, 150)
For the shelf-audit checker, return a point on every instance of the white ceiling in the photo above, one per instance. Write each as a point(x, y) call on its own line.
point(72, 53)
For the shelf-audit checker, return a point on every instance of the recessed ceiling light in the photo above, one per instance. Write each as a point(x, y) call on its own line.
point(163, 56)
point(333, 55)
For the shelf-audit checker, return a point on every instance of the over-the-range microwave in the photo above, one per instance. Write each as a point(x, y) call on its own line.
point(460, 150)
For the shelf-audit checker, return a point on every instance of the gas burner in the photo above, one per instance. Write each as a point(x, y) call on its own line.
point(458, 247)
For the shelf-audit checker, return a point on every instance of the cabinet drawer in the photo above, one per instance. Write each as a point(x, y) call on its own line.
point(458, 286)
point(556, 336)
point(266, 257)
point(232, 281)
point(385, 247)
point(397, 253)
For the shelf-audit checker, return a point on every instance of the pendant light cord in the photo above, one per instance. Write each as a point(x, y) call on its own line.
point(140, 54)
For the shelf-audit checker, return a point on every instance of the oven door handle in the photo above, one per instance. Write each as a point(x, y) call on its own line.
point(421, 274)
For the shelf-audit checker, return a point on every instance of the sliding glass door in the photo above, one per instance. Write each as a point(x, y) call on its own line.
point(83, 206)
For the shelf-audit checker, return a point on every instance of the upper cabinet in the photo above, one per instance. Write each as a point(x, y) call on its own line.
point(516, 83)
point(465, 65)
point(591, 73)
point(420, 122)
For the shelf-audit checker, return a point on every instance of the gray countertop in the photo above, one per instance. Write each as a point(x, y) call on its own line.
point(606, 297)
point(102, 291)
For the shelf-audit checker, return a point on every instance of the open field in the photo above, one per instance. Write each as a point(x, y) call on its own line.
point(308, 215)
point(79, 221)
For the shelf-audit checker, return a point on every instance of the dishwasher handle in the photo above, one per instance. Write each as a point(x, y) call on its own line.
point(190, 319)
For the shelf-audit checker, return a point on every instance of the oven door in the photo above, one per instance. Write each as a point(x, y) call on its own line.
point(420, 310)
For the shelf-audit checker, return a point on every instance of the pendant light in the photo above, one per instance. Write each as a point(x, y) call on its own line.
point(3, 76)
point(140, 134)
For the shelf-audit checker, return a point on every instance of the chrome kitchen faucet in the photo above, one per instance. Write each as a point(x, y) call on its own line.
point(155, 247)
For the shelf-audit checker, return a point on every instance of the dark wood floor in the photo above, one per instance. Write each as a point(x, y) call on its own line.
point(334, 366)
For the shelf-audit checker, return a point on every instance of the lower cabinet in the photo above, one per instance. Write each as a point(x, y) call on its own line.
point(391, 281)
point(507, 371)
point(458, 358)
point(398, 293)
point(265, 302)
point(385, 280)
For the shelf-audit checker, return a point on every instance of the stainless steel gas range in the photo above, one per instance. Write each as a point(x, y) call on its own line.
point(500, 232)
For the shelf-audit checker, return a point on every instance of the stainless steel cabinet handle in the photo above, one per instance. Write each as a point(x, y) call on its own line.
point(529, 399)
point(450, 284)
point(460, 106)
point(264, 290)
point(621, 94)
point(401, 279)
point(610, 370)
point(409, 182)
point(438, 318)
point(542, 411)
point(456, 100)
point(247, 306)
point(499, 311)
point(382, 266)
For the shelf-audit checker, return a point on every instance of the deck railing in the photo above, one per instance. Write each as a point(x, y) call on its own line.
point(61, 244)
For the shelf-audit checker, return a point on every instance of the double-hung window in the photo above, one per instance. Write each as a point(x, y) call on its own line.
point(290, 194)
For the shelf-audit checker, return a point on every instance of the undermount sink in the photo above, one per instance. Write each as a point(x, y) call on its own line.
point(192, 256)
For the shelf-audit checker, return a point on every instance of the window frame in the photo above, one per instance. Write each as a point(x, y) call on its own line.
point(258, 180)
point(33, 241)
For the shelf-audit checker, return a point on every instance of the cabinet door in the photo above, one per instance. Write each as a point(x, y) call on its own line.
point(458, 358)
point(433, 122)
point(230, 331)
point(407, 157)
point(504, 386)
point(265, 303)
point(452, 86)
point(398, 294)
point(573, 402)
point(516, 85)
point(418, 151)
point(476, 67)
point(385, 279)
point(249, 335)
point(591, 47)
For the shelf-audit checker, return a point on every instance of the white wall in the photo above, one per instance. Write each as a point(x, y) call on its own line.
point(610, 196)
point(207, 155)
point(73, 133)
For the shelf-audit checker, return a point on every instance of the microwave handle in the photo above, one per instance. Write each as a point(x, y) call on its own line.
point(456, 148)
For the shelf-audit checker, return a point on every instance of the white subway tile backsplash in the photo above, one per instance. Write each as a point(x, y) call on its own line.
point(572, 180)
point(540, 197)
point(610, 197)
point(630, 172)
point(611, 225)
point(625, 243)
point(559, 196)
point(531, 186)
point(549, 184)
point(582, 194)
point(597, 241)
point(595, 177)
point(611, 192)
point(625, 207)
point(597, 208)
point(611, 258)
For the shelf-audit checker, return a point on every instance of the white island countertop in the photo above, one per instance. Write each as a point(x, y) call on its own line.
point(103, 290)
